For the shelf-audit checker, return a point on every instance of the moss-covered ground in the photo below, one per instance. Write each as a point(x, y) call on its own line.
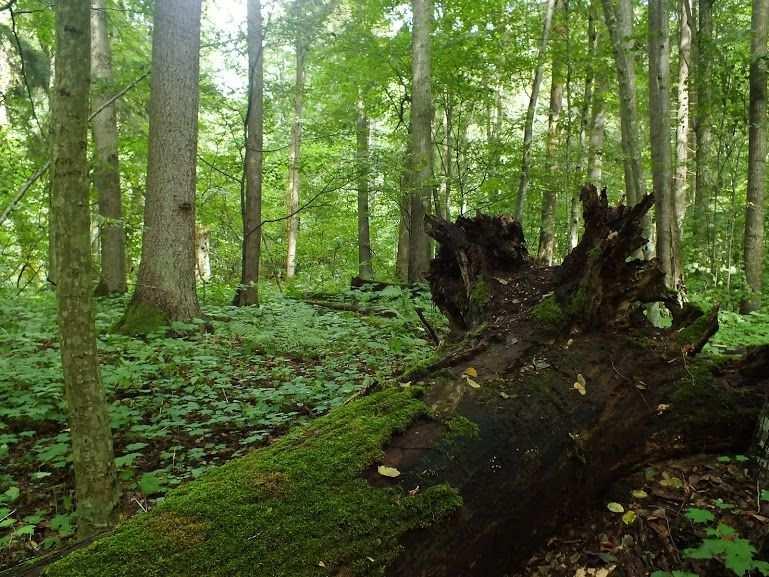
point(298, 508)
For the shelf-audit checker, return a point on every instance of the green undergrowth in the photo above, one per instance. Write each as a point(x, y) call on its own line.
point(298, 508)
point(182, 399)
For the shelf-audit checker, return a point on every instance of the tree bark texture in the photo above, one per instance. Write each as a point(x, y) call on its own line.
point(681, 175)
point(248, 292)
point(166, 286)
point(96, 487)
point(106, 170)
point(422, 139)
point(754, 213)
point(618, 15)
point(659, 122)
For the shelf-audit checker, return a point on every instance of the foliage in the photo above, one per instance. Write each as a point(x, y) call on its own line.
point(181, 401)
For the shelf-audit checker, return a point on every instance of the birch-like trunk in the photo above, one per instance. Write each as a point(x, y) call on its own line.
point(754, 213)
point(248, 292)
point(659, 123)
point(619, 21)
point(681, 175)
point(363, 129)
point(448, 158)
point(166, 286)
point(96, 486)
point(295, 158)
point(597, 129)
point(528, 129)
point(106, 170)
point(422, 138)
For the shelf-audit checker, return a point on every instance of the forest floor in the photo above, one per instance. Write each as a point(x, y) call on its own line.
point(188, 399)
point(181, 401)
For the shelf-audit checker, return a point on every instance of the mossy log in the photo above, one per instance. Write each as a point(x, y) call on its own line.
point(495, 448)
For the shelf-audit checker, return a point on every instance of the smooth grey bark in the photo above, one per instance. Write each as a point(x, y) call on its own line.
point(659, 122)
point(528, 129)
point(295, 151)
point(597, 130)
point(248, 292)
point(618, 15)
point(704, 177)
point(421, 189)
point(165, 290)
point(681, 174)
point(363, 132)
point(546, 249)
point(757, 150)
point(106, 170)
point(96, 486)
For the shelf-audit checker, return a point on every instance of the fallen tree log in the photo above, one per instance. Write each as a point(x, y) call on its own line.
point(565, 389)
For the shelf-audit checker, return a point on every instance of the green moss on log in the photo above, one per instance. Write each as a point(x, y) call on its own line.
point(299, 508)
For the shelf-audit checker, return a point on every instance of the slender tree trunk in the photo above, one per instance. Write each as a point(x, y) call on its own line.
point(248, 292)
point(365, 271)
point(422, 139)
point(295, 157)
point(106, 171)
point(754, 214)
point(95, 479)
point(597, 129)
point(448, 158)
point(681, 176)
point(166, 287)
point(619, 21)
point(546, 251)
point(703, 123)
point(585, 118)
point(404, 225)
point(659, 122)
point(528, 130)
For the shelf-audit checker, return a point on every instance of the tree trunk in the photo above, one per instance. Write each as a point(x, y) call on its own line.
point(248, 292)
point(681, 176)
point(295, 156)
point(528, 130)
point(165, 290)
point(365, 271)
point(585, 123)
point(754, 213)
point(619, 21)
point(703, 156)
point(597, 130)
point(448, 160)
point(95, 478)
point(546, 250)
point(421, 136)
point(659, 123)
point(106, 171)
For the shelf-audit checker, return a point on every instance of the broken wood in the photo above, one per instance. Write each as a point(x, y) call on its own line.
point(555, 386)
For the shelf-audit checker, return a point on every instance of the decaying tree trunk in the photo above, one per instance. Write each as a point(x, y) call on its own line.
point(566, 383)
point(554, 386)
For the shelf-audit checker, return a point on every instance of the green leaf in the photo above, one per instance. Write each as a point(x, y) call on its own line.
point(150, 485)
point(699, 515)
point(615, 507)
point(62, 524)
point(10, 495)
